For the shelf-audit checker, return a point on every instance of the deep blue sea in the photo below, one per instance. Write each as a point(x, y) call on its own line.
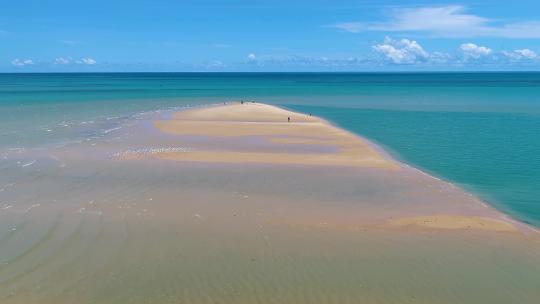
point(478, 130)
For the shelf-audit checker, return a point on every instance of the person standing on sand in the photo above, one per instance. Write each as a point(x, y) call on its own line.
point(288, 119)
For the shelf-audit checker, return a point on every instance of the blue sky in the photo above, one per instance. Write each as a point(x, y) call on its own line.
point(278, 35)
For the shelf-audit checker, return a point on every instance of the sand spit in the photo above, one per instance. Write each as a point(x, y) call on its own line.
point(240, 127)
point(269, 124)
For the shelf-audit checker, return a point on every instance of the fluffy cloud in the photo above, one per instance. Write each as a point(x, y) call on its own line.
point(69, 60)
point(410, 52)
point(62, 60)
point(251, 57)
point(21, 63)
point(216, 64)
point(88, 61)
point(402, 51)
point(445, 21)
point(523, 54)
point(471, 50)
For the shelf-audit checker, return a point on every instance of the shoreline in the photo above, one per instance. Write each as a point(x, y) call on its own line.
point(460, 222)
point(396, 158)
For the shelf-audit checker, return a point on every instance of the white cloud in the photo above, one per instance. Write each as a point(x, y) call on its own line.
point(410, 52)
point(21, 63)
point(216, 64)
point(402, 51)
point(471, 50)
point(88, 61)
point(445, 21)
point(69, 60)
point(526, 53)
point(62, 60)
point(431, 18)
point(251, 57)
point(523, 54)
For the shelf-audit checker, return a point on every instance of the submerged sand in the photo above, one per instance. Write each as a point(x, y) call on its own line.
point(446, 221)
point(234, 204)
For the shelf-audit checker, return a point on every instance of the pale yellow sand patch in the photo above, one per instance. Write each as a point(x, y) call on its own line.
point(269, 124)
point(256, 112)
point(241, 128)
point(455, 222)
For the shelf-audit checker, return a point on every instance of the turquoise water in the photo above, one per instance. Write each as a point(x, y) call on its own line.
point(479, 130)
point(496, 155)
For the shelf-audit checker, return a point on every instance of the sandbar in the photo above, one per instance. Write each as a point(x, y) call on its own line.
point(269, 124)
point(242, 127)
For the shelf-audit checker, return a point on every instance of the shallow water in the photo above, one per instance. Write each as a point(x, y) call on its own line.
point(80, 225)
point(475, 129)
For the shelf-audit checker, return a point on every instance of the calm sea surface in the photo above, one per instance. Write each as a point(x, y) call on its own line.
point(478, 130)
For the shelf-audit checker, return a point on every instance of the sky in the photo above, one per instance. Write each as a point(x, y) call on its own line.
point(277, 35)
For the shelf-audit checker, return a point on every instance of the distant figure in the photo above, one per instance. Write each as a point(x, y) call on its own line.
point(242, 102)
point(288, 119)
point(309, 114)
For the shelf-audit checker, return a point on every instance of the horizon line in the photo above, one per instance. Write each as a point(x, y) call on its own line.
point(283, 72)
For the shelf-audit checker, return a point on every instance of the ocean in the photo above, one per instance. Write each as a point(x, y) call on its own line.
point(480, 131)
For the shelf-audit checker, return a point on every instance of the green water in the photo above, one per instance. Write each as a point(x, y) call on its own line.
point(479, 130)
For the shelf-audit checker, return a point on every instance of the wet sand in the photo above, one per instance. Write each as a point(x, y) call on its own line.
point(157, 214)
